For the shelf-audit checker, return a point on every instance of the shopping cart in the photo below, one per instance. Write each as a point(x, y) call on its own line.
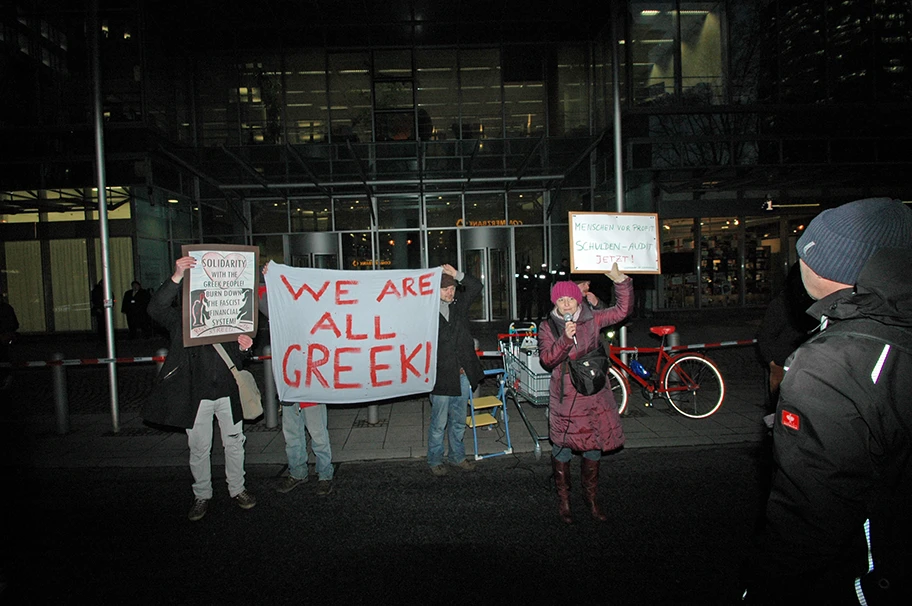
point(526, 381)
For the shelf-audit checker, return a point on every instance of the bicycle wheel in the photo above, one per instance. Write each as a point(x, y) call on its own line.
point(620, 387)
point(693, 385)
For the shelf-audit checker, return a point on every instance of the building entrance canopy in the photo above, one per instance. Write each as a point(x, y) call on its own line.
point(412, 167)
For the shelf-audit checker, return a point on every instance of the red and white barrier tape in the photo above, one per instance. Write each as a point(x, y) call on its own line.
point(686, 347)
point(97, 361)
point(480, 353)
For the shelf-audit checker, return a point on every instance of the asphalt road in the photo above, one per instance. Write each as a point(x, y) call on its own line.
point(390, 532)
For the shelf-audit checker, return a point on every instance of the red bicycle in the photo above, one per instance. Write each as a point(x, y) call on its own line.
point(690, 382)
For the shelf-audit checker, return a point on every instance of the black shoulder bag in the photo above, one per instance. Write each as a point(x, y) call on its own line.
point(588, 374)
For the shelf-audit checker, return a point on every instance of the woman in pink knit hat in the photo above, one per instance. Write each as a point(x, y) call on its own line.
point(586, 425)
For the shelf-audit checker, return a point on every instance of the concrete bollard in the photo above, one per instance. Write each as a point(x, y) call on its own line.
point(61, 404)
point(270, 404)
point(373, 414)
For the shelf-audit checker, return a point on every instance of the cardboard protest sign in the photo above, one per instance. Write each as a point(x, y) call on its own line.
point(598, 240)
point(352, 336)
point(219, 300)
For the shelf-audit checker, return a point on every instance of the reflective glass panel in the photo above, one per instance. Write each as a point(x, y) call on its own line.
point(350, 96)
point(525, 208)
point(442, 247)
point(719, 262)
point(400, 249)
point(307, 107)
point(437, 95)
point(311, 215)
point(398, 212)
point(652, 50)
point(352, 214)
point(269, 216)
point(484, 209)
point(443, 211)
point(479, 76)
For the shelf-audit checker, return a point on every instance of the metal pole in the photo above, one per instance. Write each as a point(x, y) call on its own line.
point(373, 414)
point(270, 404)
point(618, 144)
point(103, 211)
point(61, 405)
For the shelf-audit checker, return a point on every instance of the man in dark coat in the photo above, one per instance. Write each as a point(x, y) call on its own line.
point(785, 326)
point(135, 305)
point(193, 386)
point(458, 372)
point(838, 529)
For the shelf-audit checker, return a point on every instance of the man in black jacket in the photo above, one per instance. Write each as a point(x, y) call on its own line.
point(838, 528)
point(458, 372)
point(193, 386)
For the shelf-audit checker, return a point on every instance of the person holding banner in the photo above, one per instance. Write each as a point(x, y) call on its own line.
point(458, 372)
point(299, 419)
point(586, 424)
point(193, 386)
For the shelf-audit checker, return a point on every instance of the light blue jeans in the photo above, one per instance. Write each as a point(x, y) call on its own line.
point(199, 439)
point(297, 422)
point(448, 413)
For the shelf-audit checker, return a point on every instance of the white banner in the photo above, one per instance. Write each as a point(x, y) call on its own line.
point(352, 336)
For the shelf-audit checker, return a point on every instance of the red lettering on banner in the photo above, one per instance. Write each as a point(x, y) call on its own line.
point(379, 335)
point(407, 284)
point(390, 289)
point(406, 362)
point(297, 374)
point(313, 364)
point(319, 355)
point(338, 368)
point(375, 366)
point(296, 294)
point(326, 323)
point(425, 287)
point(340, 291)
point(348, 330)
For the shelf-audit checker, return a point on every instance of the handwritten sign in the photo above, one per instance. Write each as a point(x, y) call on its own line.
point(219, 301)
point(352, 336)
point(598, 240)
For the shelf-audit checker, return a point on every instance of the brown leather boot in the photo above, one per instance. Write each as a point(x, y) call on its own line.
point(589, 480)
point(562, 483)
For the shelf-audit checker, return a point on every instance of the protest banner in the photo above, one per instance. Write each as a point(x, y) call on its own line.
point(218, 300)
point(598, 240)
point(344, 337)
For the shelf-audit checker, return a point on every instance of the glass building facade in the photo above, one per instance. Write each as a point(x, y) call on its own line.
point(415, 133)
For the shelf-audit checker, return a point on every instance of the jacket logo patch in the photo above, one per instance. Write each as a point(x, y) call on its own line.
point(791, 420)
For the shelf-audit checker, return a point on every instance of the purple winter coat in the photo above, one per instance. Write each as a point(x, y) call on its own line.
point(576, 421)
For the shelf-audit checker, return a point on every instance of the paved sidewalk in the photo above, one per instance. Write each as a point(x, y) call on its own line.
point(401, 432)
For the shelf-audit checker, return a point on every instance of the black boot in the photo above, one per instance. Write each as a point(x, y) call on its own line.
point(590, 476)
point(562, 483)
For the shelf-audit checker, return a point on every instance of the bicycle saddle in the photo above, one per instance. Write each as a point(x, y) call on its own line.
point(662, 330)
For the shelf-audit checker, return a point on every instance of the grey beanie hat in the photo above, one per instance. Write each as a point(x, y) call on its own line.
point(839, 241)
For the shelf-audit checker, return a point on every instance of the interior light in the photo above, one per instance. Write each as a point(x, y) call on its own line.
point(649, 13)
point(173, 200)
